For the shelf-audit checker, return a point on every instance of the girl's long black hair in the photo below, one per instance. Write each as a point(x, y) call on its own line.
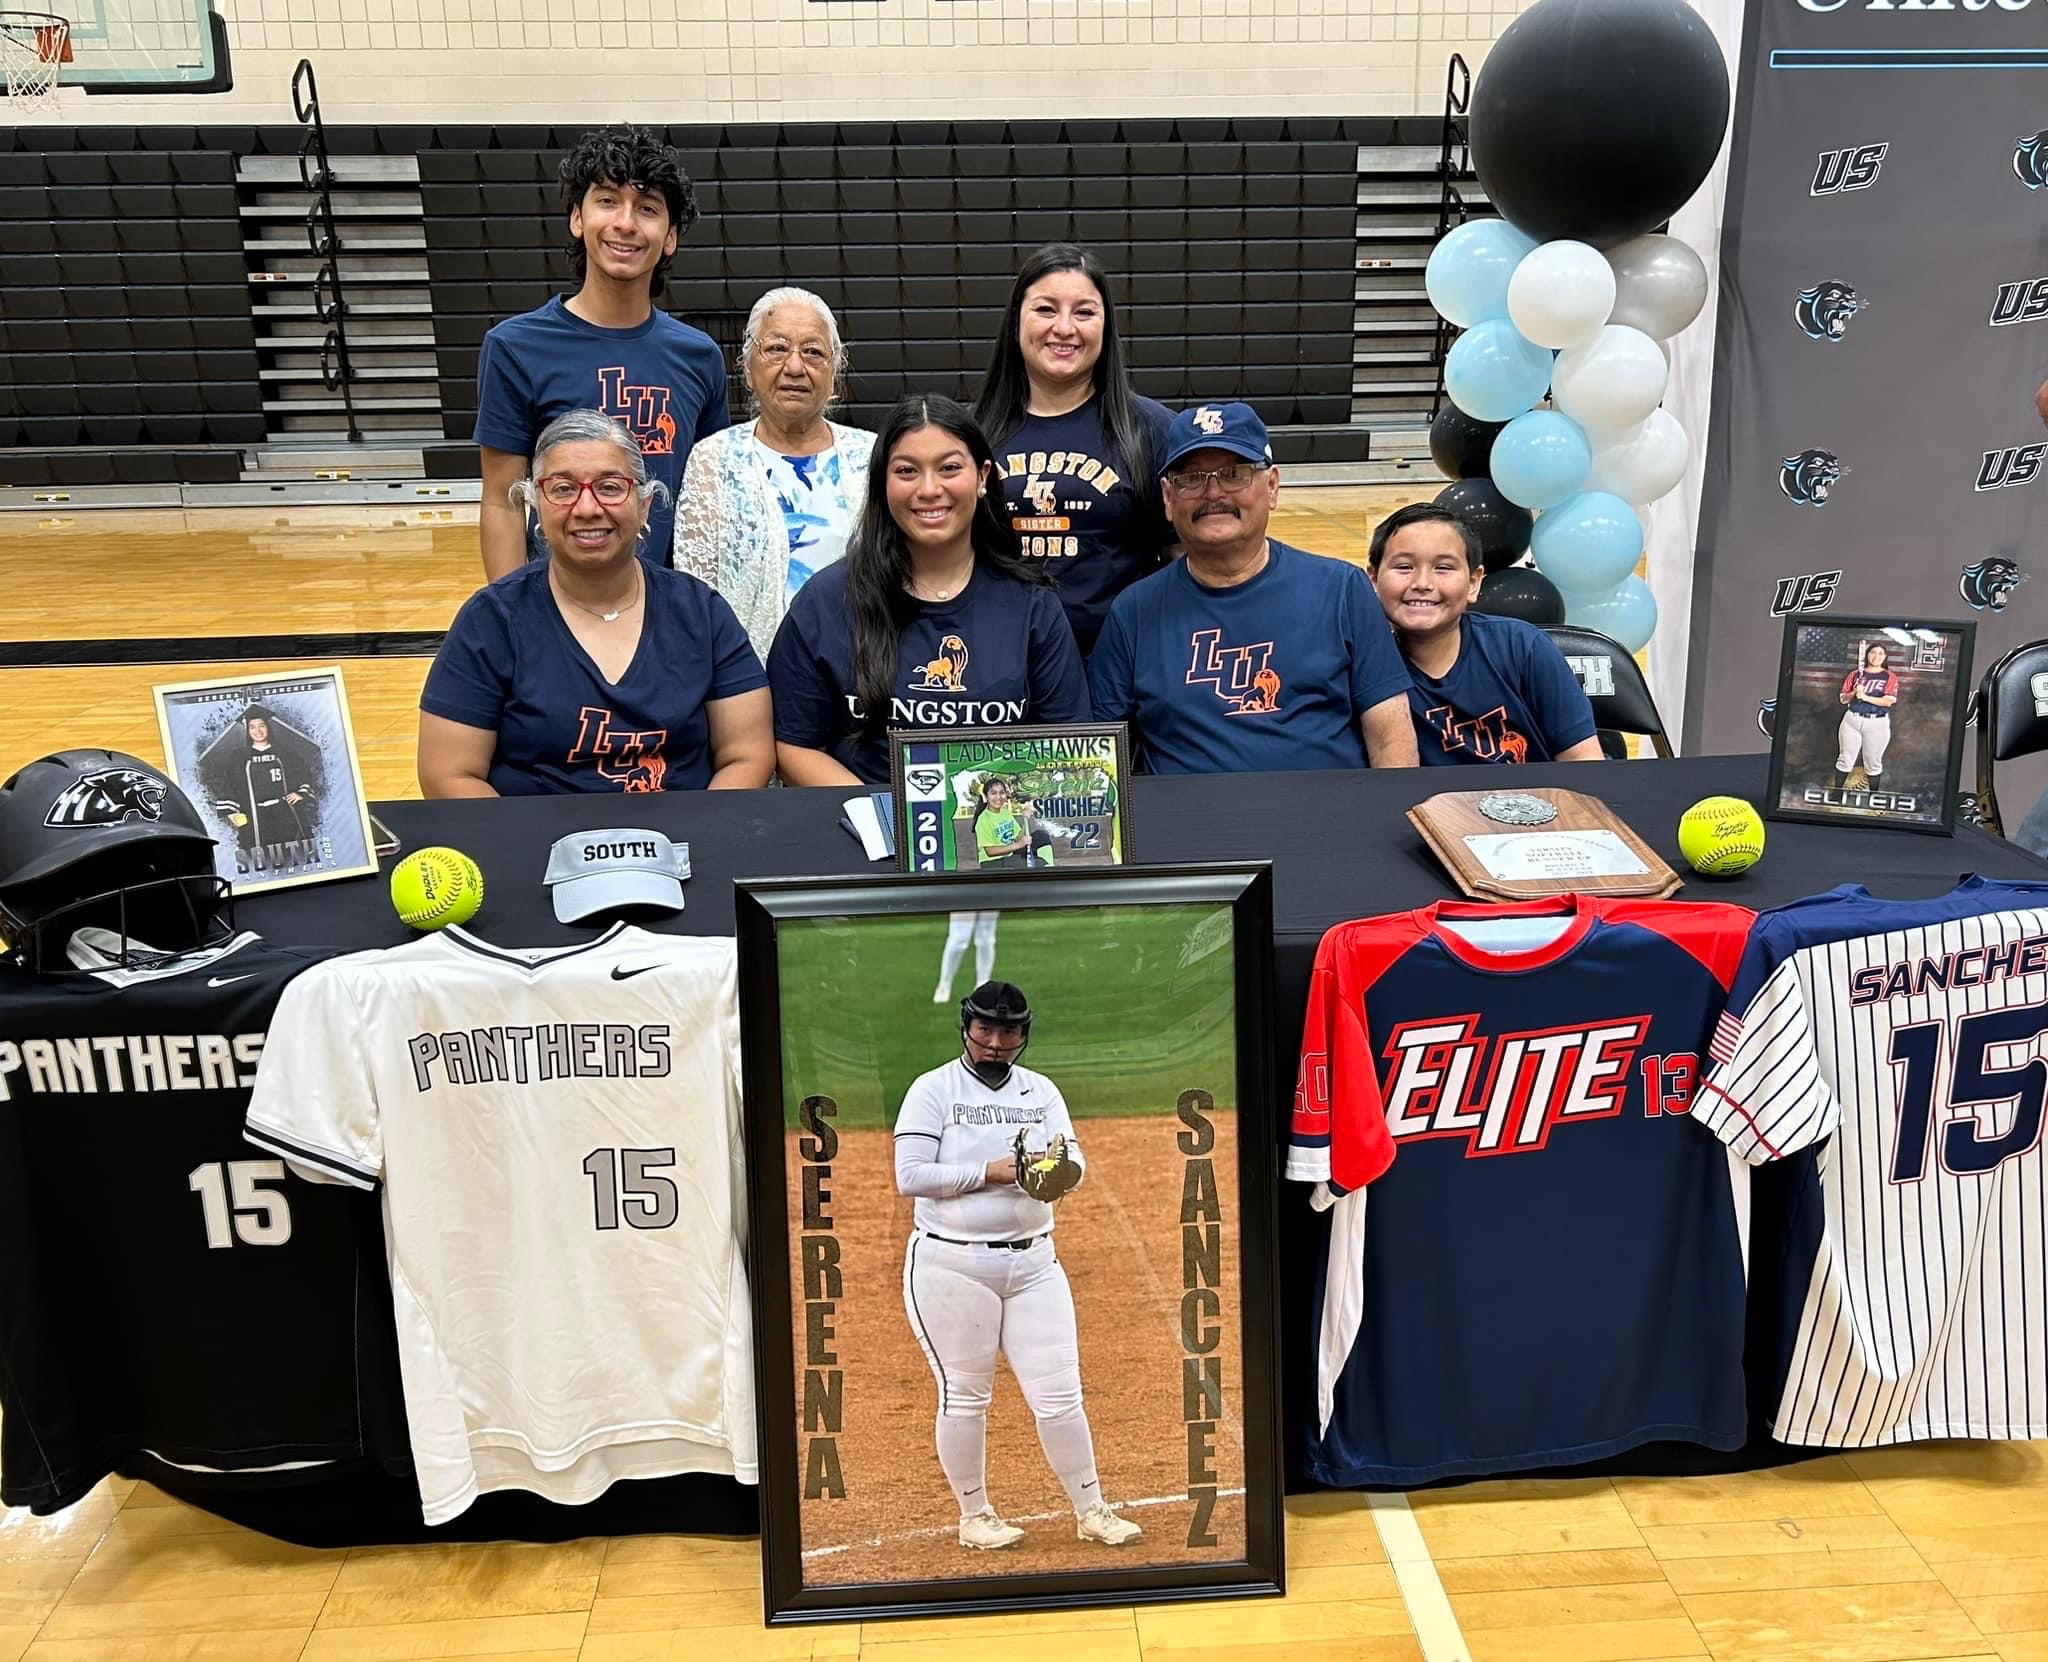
point(878, 559)
point(1006, 388)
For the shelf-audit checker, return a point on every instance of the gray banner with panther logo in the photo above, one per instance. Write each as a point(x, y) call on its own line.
point(1874, 446)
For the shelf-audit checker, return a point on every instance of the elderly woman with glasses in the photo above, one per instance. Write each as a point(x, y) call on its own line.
point(593, 670)
point(768, 504)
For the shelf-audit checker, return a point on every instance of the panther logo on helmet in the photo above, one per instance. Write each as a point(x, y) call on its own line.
point(108, 796)
point(1808, 477)
point(1823, 311)
point(1988, 584)
point(2030, 161)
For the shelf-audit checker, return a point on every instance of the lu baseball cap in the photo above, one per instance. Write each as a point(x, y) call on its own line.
point(603, 871)
point(1232, 427)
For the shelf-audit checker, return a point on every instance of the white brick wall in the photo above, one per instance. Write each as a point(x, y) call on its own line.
point(567, 61)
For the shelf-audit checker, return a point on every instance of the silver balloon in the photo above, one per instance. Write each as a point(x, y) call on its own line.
point(1659, 285)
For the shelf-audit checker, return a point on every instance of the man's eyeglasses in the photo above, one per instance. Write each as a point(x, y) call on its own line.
point(611, 490)
point(778, 351)
point(1233, 478)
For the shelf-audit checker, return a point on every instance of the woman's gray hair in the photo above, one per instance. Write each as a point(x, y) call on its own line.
point(588, 427)
point(764, 308)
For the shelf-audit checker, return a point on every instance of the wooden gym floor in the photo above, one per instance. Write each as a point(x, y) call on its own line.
point(1891, 1556)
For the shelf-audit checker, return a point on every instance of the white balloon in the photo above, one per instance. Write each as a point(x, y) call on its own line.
point(1643, 463)
point(1660, 285)
point(1614, 380)
point(1561, 293)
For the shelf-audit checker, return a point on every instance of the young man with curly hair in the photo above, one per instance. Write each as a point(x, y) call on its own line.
point(607, 346)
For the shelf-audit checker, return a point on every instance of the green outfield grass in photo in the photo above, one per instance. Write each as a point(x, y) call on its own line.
point(1130, 1006)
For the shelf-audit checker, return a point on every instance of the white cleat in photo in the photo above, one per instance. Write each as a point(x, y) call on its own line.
point(1099, 1523)
point(986, 1530)
point(942, 995)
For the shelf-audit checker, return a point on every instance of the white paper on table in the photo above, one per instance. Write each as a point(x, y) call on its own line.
point(1539, 854)
point(867, 824)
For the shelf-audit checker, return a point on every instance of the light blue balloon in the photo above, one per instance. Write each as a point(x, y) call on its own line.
point(1587, 544)
point(1540, 458)
point(1468, 271)
point(1493, 373)
point(1627, 613)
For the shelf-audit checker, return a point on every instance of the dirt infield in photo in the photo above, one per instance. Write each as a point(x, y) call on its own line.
point(1120, 1238)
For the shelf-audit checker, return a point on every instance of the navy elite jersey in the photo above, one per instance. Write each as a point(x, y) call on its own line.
point(1549, 1270)
point(1889, 1053)
point(170, 1291)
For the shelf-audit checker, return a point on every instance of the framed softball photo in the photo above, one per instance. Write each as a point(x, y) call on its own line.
point(1012, 798)
point(271, 763)
point(1869, 722)
point(1010, 1145)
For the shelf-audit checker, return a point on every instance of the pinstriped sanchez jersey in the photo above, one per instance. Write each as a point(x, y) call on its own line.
point(1900, 1049)
point(556, 1133)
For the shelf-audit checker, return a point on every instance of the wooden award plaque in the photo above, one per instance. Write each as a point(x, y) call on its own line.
point(1525, 844)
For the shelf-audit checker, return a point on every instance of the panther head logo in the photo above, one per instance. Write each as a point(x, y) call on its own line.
point(1988, 584)
point(108, 796)
point(1766, 715)
point(2030, 161)
point(1808, 477)
point(1823, 311)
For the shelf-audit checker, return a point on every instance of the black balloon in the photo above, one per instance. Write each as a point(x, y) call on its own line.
point(1459, 444)
point(1523, 592)
point(1598, 119)
point(1501, 527)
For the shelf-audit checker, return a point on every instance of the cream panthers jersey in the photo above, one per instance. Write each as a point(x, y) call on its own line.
point(557, 1133)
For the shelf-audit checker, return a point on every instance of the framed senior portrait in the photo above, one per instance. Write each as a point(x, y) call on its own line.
point(1012, 798)
point(270, 761)
point(1010, 1147)
point(1869, 722)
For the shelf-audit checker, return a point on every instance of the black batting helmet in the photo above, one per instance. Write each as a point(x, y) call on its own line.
point(96, 836)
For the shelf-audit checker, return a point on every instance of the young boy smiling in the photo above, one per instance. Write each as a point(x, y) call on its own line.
point(1483, 688)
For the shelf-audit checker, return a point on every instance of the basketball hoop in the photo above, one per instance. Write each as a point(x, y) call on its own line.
point(34, 46)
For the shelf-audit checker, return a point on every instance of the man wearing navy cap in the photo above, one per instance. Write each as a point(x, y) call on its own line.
point(1247, 656)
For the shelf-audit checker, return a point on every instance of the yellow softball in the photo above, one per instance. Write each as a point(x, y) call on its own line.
point(434, 887)
point(1721, 836)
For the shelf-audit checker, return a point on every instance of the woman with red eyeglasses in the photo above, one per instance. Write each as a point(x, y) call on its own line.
point(593, 670)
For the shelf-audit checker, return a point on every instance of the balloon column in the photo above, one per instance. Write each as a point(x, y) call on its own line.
point(1592, 122)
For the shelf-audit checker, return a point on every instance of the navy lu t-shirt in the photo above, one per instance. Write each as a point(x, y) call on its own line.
point(1510, 697)
point(999, 653)
point(510, 664)
point(1268, 675)
point(663, 379)
point(1098, 529)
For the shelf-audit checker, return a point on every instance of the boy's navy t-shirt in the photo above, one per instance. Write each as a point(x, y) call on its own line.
point(1510, 697)
point(999, 653)
point(511, 665)
point(663, 379)
point(1097, 527)
point(1268, 675)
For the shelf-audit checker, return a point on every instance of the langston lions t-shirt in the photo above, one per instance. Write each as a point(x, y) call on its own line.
point(1510, 697)
point(998, 654)
point(1097, 526)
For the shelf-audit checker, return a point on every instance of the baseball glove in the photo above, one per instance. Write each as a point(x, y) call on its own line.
point(1048, 1175)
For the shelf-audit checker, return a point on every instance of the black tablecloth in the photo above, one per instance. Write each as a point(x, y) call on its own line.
point(1340, 848)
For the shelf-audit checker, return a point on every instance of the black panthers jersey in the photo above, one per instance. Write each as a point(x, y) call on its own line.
point(170, 1290)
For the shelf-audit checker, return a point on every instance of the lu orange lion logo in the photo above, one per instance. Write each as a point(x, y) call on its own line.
point(1264, 696)
point(947, 672)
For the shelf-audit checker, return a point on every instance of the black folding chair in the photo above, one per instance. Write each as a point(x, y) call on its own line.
point(2012, 720)
point(1614, 686)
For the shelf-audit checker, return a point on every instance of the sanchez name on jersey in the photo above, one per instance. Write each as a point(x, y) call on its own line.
point(1512, 1083)
point(1893, 1052)
point(564, 1199)
point(170, 1292)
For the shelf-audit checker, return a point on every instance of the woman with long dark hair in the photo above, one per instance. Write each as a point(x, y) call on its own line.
point(1075, 447)
point(933, 618)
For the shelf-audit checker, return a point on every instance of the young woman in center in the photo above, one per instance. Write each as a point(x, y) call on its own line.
point(932, 620)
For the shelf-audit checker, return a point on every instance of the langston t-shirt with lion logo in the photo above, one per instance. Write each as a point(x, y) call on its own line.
point(1000, 653)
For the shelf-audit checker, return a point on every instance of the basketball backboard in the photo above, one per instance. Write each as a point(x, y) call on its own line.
point(142, 46)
